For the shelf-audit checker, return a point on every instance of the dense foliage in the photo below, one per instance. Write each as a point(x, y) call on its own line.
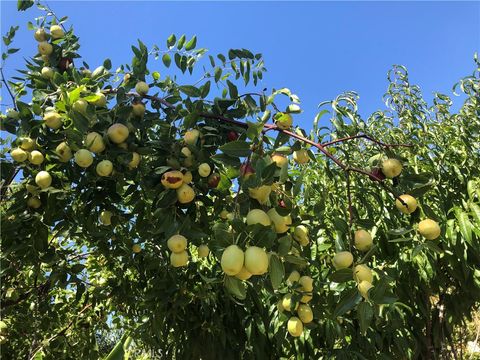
point(108, 168)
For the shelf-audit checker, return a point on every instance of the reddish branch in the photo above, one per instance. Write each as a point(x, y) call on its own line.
point(364, 136)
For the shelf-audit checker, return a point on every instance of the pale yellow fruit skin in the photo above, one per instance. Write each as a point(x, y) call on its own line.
point(429, 229)
point(136, 248)
point(243, 274)
point(186, 151)
point(106, 217)
point(295, 326)
point(203, 251)
point(410, 201)
point(47, 72)
point(257, 216)
point(123, 146)
point(342, 260)
point(256, 260)
point(187, 177)
point(177, 243)
point(362, 273)
point(301, 156)
point(43, 179)
point(261, 193)
point(306, 298)
point(204, 170)
point(300, 234)
point(83, 158)
point(293, 277)
point(306, 282)
point(64, 152)
point(185, 194)
point(56, 32)
point(191, 137)
point(172, 179)
point(305, 313)
point(19, 155)
point(40, 35)
point(94, 142)
point(287, 303)
point(179, 259)
point(80, 106)
point(118, 133)
point(133, 164)
point(27, 144)
point(363, 288)
point(280, 160)
point(363, 240)
point(138, 109)
point(101, 101)
point(232, 260)
point(391, 168)
point(281, 223)
point(36, 157)
point(44, 48)
point(104, 168)
point(142, 88)
point(53, 120)
point(284, 121)
point(34, 202)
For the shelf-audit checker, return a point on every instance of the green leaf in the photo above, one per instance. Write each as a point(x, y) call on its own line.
point(276, 271)
point(190, 90)
point(118, 352)
point(465, 226)
point(236, 287)
point(365, 316)
point(347, 302)
point(232, 89)
point(236, 148)
point(171, 40)
point(191, 44)
point(342, 275)
point(166, 59)
point(181, 41)
point(23, 5)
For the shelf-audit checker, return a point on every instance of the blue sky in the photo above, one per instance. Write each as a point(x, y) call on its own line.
point(317, 49)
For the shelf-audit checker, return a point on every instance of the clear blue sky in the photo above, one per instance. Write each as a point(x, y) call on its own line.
point(317, 49)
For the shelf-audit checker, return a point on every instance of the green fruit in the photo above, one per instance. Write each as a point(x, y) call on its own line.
point(256, 260)
point(56, 32)
point(342, 260)
point(257, 216)
point(232, 260)
point(141, 88)
point(391, 168)
point(83, 158)
point(43, 179)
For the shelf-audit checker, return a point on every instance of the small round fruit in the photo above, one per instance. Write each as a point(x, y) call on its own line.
point(83, 158)
point(43, 179)
point(142, 88)
point(177, 243)
point(246, 170)
point(44, 48)
point(187, 177)
point(409, 200)
point(257, 216)
point(47, 72)
point(179, 259)
point(363, 240)
point(429, 229)
point(244, 274)
point(295, 326)
point(307, 283)
point(363, 288)
point(101, 101)
point(56, 32)
point(305, 313)
point(343, 260)
point(287, 303)
point(27, 143)
point(232, 260)
point(138, 109)
point(106, 217)
point(362, 273)
point(64, 152)
point(293, 277)
point(40, 35)
point(133, 164)
point(172, 179)
point(186, 152)
point(191, 137)
point(104, 168)
point(232, 135)
point(36, 157)
point(301, 156)
point(284, 121)
point(391, 168)
point(280, 160)
point(281, 223)
point(203, 251)
point(136, 248)
point(301, 235)
point(94, 142)
point(53, 120)
point(306, 298)
point(261, 193)
point(80, 106)
point(34, 202)
point(118, 133)
point(204, 170)
point(185, 194)
point(213, 180)
point(12, 114)
point(19, 155)
point(256, 260)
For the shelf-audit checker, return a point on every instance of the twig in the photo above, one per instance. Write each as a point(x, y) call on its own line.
point(364, 136)
point(7, 182)
point(8, 89)
point(350, 209)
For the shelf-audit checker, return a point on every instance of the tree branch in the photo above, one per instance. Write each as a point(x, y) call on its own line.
point(364, 136)
point(8, 88)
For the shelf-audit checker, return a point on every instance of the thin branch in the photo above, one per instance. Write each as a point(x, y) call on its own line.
point(350, 208)
point(364, 136)
point(8, 88)
point(7, 182)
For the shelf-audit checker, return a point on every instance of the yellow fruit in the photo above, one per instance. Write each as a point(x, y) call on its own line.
point(40, 35)
point(243, 274)
point(301, 235)
point(301, 156)
point(106, 217)
point(80, 106)
point(102, 99)
point(118, 133)
point(43, 179)
point(362, 273)
point(203, 251)
point(363, 240)
point(44, 48)
point(391, 168)
point(256, 260)
point(429, 229)
point(295, 326)
point(177, 243)
point(261, 194)
point(342, 260)
point(307, 283)
point(306, 298)
point(223, 214)
point(279, 159)
point(363, 288)
point(56, 32)
point(284, 121)
point(287, 303)
point(187, 177)
point(138, 109)
point(232, 260)
point(185, 194)
point(280, 306)
point(47, 72)
point(204, 170)
point(19, 155)
point(53, 120)
point(172, 179)
point(142, 88)
point(133, 164)
point(305, 313)
point(179, 259)
point(410, 201)
point(136, 248)
point(27, 143)
point(64, 152)
point(281, 223)
point(94, 142)
point(257, 216)
point(293, 277)
point(191, 137)
point(36, 157)
point(186, 152)
point(34, 202)
point(123, 146)
point(83, 158)
point(104, 168)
